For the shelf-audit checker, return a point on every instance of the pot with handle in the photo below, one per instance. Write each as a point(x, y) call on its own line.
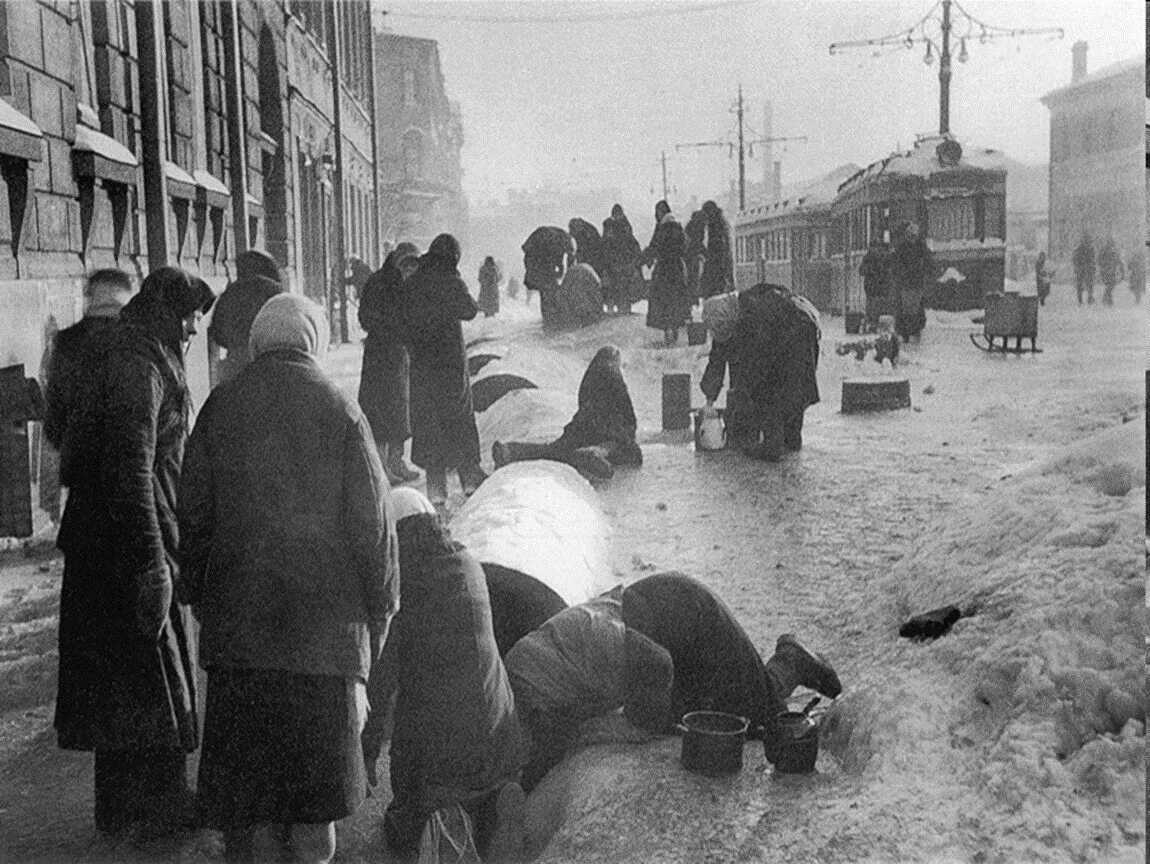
point(713, 742)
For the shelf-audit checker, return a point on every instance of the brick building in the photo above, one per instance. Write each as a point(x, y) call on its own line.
point(138, 133)
point(1094, 177)
point(420, 138)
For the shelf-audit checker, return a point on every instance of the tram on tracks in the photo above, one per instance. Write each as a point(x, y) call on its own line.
point(815, 243)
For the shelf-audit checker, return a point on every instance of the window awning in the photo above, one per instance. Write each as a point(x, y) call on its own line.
point(98, 155)
point(210, 191)
point(19, 136)
point(181, 184)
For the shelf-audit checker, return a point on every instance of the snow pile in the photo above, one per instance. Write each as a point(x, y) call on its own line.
point(540, 518)
point(1031, 712)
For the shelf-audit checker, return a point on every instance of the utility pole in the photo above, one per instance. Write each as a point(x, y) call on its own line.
point(665, 193)
point(742, 156)
point(934, 30)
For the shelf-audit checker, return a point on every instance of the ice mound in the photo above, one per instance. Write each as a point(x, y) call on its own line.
point(540, 518)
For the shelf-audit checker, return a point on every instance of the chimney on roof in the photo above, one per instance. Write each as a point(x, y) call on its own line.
point(1078, 65)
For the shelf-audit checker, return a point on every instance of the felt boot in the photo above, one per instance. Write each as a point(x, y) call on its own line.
point(792, 665)
point(398, 467)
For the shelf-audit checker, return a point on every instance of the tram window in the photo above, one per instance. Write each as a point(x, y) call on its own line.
point(951, 219)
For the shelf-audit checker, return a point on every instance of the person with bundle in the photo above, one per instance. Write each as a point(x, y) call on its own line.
point(547, 253)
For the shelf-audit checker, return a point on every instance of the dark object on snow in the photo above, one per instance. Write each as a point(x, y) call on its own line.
point(793, 748)
point(487, 391)
point(1009, 315)
point(713, 742)
point(869, 394)
point(930, 625)
point(519, 604)
point(475, 362)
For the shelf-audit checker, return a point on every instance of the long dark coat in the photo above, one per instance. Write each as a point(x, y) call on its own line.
point(669, 305)
point(435, 301)
point(605, 411)
point(622, 260)
point(70, 350)
point(120, 688)
point(718, 264)
point(876, 274)
point(489, 279)
point(777, 339)
point(384, 384)
point(232, 317)
point(696, 231)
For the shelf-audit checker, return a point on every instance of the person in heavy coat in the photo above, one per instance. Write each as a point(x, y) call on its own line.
point(258, 279)
point(105, 293)
point(579, 302)
point(876, 275)
point(622, 256)
point(441, 688)
point(489, 279)
point(1083, 260)
point(588, 244)
point(718, 264)
point(547, 253)
point(1041, 278)
point(696, 232)
point(669, 306)
point(1136, 274)
point(126, 686)
point(601, 435)
point(444, 435)
point(384, 388)
point(911, 266)
point(1109, 270)
point(289, 556)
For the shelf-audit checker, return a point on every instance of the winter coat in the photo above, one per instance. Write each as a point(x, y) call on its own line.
point(579, 301)
point(455, 733)
point(875, 271)
point(384, 384)
point(435, 301)
point(1136, 274)
point(543, 254)
point(1083, 260)
point(696, 231)
point(287, 551)
point(605, 411)
point(719, 264)
point(669, 305)
point(489, 279)
point(232, 318)
point(588, 244)
point(622, 257)
point(1109, 265)
point(71, 355)
point(911, 265)
point(1041, 277)
point(120, 684)
point(777, 342)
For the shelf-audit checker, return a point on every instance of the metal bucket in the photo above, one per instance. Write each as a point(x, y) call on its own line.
point(713, 742)
point(793, 748)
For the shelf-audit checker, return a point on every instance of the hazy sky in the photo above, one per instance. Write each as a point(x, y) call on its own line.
point(578, 94)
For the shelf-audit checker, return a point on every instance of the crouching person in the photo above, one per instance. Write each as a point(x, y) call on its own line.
point(601, 435)
point(441, 687)
point(288, 554)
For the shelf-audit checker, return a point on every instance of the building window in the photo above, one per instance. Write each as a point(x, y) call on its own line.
point(215, 101)
point(408, 87)
point(951, 219)
point(177, 31)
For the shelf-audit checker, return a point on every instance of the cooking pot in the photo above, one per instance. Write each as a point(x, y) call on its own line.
point(713, 742)
point(791, 743)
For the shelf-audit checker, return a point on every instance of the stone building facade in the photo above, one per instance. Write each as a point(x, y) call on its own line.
point(1094, 179)
point(420, 139)
point(139, 133)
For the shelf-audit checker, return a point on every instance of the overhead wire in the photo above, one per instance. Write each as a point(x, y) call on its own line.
point(662, 10)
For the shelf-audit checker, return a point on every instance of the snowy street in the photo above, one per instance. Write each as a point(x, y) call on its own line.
point(1013, 488)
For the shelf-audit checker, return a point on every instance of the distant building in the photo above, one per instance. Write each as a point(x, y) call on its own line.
point(420, 139)
point(1094, 156)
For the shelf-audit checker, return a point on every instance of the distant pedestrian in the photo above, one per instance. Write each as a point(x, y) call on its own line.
point(545, 259)
point(105, 293)
point(1083, 260)
point(1109, 270)
point(384, 387)
point(718, 265)
point(1041, 278)
point(911, 266)
point(358, 272)
point(126, 677)
point(1136, 274)
point(257, 280)
point(669, 306)
point(444, 435)
point(489, 279)
point(288, 554)
point(512, 288)
point(622, 254)
point(876, 275)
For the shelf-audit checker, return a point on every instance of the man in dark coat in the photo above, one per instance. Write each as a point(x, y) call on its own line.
point(444, 435)
point(911, 266)
point(719, 263)
point(257, 281)
point(126, 678)
point(384, 383)
point(670, 301)
point(623, 276)
point(1109, 270)
point(545, 259)
point(875, 272)
point(105, 294)
point(441, 686)
point(1083, 260)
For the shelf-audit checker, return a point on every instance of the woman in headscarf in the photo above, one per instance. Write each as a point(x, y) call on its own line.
point(669, 306)
point(489, 279)
point(601, 435)
point(622, 256)
point(288, 553)
point(718, 263)
point(441, 687)
point(126, 686)
point(257, 281)
point(444, 434)
point(384, 393)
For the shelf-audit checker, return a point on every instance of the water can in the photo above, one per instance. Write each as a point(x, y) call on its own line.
point(710, 431)
point(793, 747)
point(713, 742)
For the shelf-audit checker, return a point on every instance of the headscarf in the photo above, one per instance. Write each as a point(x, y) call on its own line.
point(661, 210)
point(605, 408)
point(379, 300)
point(253, 263)
point(290, 321)
point(408, 502)
point(721, 314)
point(166, 298)
point(445, 250)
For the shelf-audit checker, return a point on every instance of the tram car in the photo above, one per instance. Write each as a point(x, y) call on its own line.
point(815, 241)
point(958, 197)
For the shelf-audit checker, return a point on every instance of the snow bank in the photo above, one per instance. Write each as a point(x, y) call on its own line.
point(540, 518)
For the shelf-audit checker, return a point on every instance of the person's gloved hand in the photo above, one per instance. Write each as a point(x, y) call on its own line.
point(153, 600)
